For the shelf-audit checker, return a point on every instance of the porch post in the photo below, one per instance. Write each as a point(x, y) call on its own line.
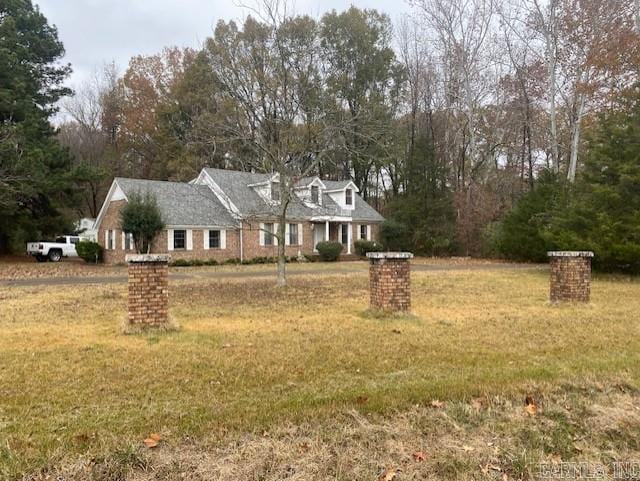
point(349, 238)
point(326, 231)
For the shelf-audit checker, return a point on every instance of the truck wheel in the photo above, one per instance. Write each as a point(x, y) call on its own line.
point(55, 255)
point(41, 258)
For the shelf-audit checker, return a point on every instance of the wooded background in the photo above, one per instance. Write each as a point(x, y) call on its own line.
point(474, 126)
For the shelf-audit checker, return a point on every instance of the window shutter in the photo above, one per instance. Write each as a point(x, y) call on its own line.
point(189, 240)
point(287, 231)
point(123, 240)
point(223, 239)
point(262, 234)
point(106, 239)
point(170, 239)
point(275, 231)
point(300, 234)
point(368, 232)
point(205, 237)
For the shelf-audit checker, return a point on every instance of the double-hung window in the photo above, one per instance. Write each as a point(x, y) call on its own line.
point(348, 197)
point(345, 234)
point(179, 239)
point(128, 241)
point(214, 239)
point(268, 234)
point(275, 191)
point(111, 239)
point(315, 194)
point(363, 232)
point(293, 235)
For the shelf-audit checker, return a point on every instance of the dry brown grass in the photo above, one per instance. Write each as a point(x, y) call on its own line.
point(307, 365)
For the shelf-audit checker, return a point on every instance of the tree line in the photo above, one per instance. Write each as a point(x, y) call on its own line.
point(445, 119)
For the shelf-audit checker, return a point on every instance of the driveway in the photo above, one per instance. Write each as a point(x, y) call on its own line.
point(187, 273)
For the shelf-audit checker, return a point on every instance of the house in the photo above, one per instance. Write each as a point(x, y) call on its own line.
point(226, 214)
point(84, 227)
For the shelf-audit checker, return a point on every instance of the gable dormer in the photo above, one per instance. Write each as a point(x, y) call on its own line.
point(345, 195)
point(310, 190)
point(268, 190)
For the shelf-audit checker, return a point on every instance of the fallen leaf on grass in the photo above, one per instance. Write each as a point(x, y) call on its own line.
point(477, 403)
point(467, 449)
point(491, 467)
point(436, 403)
point(152, 441)
point(419, 456)
point(388, 474)
point(530, 406)
point(396, 331)
point(304, 447)
point(362, 400)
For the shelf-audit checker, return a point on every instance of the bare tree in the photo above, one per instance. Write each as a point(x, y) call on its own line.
point(269, 79)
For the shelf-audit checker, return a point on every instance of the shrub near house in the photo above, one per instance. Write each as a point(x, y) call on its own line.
point(225, 214)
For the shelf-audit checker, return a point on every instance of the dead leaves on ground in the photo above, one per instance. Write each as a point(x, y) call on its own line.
point(152, 441)
point(388, 474)
point(419, 456)
point(530, 406)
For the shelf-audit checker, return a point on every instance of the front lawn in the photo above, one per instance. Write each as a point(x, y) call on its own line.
point(261, 382)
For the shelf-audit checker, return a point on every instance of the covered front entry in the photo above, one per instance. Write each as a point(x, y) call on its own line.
point(333, 231)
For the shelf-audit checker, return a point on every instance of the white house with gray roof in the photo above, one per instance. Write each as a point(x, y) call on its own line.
point(227, 214)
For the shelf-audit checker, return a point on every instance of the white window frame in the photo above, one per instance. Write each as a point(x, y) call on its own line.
point(275, 191)
point(110, 239)
point(317, 189)
point(264, 233)
point(287, 234)
point(346, 197)
point(127, 237)
point(173, 243)
point(206, 234)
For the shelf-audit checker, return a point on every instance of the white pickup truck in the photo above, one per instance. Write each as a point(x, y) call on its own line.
point(64, 246)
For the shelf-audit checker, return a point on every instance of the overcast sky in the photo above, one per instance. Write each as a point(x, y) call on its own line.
point(98, 31)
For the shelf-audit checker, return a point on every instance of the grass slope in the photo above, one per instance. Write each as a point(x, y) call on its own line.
point(250, 359)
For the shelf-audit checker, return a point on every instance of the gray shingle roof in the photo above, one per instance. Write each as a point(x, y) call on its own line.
point(181, 203)
point(235, 184)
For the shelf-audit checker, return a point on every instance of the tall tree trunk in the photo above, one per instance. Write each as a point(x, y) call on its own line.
point(551, 61)
point(282, 225)
point(575, 137)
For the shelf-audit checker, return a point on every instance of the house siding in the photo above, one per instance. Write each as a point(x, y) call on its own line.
point(111, 221)
point(250, 240)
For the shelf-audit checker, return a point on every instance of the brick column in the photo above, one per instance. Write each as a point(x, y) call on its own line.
point(570, 276)
point(390, 281)
point(148, 291)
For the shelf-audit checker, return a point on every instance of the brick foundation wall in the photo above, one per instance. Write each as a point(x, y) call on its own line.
point(390, 281)
point(570, 277)
point(148, 303)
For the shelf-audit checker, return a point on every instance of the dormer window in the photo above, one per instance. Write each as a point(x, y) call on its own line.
point(348, 197)
point(315, 194)
point(275, 192)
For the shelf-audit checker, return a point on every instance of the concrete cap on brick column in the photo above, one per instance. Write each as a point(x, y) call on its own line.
point(389, 255)
point(570, 254)
point(147, 258)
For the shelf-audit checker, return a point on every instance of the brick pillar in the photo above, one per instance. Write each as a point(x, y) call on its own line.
point(570, 276)
point(390, 281)
point(148, 291)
